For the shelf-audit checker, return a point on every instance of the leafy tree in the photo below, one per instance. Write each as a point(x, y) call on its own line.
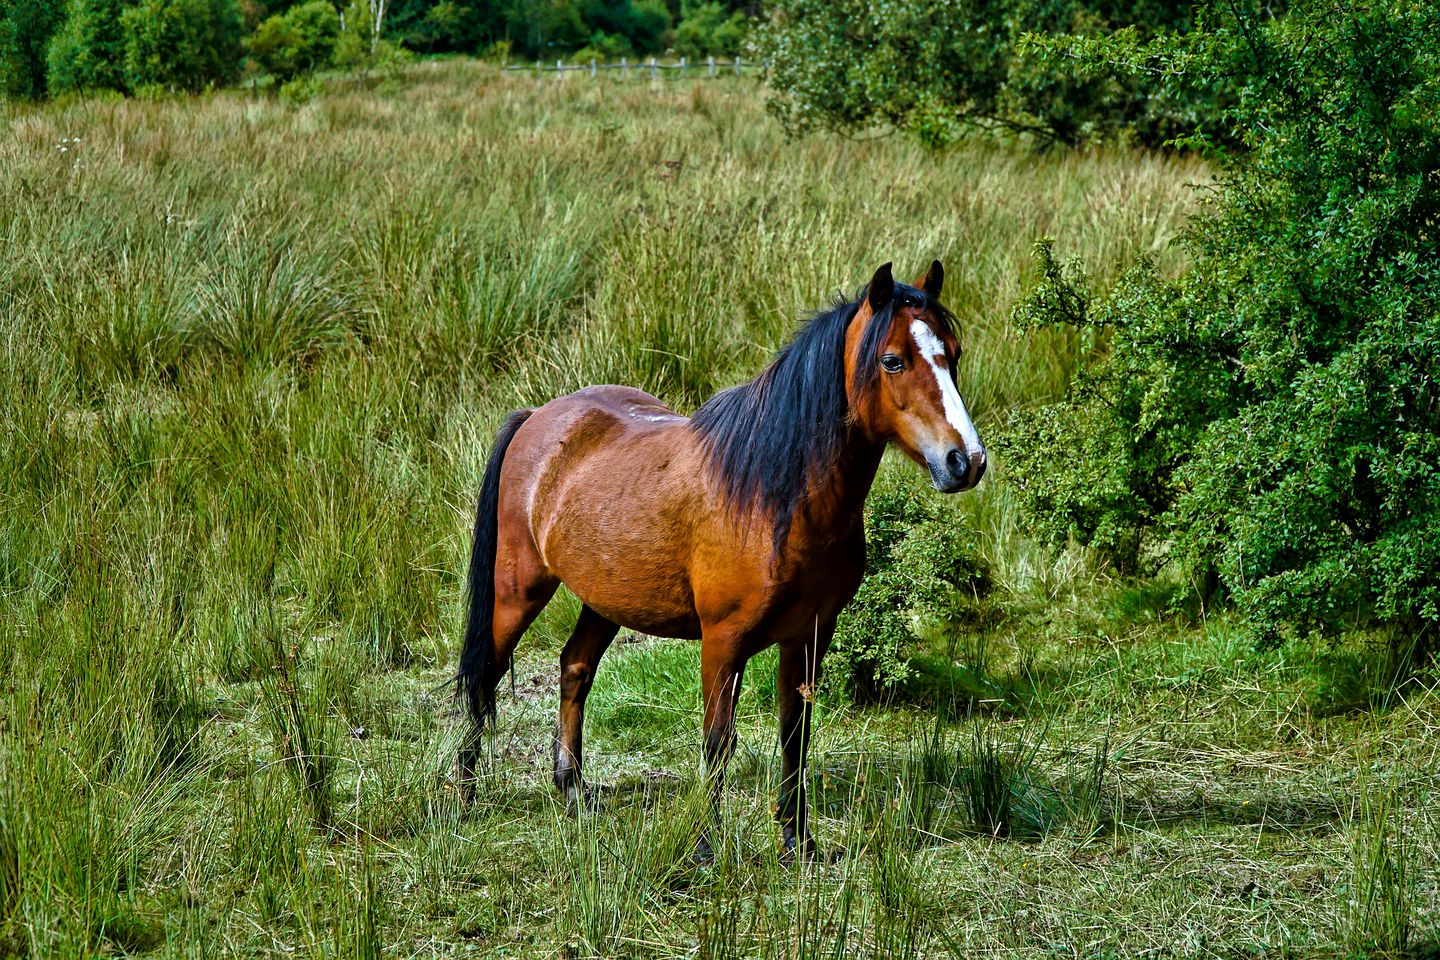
point(88, 52)
point(447, 22)
point(181, 44)
point(604, 47)
point(644, 23)
point(25, 30)
point(539, 27)
point(299, 41)
point(709, 29)
point(1273, 416)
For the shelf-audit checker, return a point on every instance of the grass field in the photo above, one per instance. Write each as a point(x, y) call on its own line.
point(251, 358)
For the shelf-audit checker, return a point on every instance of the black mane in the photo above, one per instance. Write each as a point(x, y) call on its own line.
point(767, 438)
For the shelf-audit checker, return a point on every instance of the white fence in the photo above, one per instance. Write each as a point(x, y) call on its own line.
point(708, 67)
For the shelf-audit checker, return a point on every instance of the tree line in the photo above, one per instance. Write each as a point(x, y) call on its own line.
point(53, 47)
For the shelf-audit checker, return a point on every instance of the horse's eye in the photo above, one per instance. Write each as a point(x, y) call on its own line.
point(892, 363)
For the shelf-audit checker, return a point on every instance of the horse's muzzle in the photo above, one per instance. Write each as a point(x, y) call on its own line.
point(957, 472)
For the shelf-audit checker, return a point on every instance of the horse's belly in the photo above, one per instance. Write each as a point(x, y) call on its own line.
point(627, 582)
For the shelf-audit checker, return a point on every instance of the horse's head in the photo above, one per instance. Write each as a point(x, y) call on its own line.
point(900, 353)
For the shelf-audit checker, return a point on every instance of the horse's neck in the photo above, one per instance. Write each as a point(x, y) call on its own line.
point(836, 501)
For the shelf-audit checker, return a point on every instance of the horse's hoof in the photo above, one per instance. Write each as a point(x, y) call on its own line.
point(463, 783)
point(704, 855)
point(580, 802)
point(808, 852)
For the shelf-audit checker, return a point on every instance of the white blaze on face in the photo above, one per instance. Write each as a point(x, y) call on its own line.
point(930, 347)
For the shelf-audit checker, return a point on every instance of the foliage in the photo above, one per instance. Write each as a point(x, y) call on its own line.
point(934, 68)
point(1273, 415)
point(297, 42)
point(604, 48)
point(643, 23)
point(181, 45)
point(710, 30)
point(447, 26)
point(1105, 477)
point(25, 30)
point(545, 29)
point(356, 44)
point(88, 51)
point(531, 27)
point(917, 568)
point(445, 23)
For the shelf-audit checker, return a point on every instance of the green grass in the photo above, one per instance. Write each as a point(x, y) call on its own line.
point(251, 358)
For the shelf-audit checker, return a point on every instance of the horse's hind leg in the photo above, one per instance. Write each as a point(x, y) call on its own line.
point(523, 586)
point(589, 641)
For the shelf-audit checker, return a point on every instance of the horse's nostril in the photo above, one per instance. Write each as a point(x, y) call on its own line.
point(955, 460)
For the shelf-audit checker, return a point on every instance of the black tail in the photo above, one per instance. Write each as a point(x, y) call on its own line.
point(478, 676)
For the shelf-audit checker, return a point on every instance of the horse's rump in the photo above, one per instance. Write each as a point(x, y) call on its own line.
point(610, 481)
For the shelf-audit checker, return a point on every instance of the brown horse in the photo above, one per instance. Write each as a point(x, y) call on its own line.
point(741, 526)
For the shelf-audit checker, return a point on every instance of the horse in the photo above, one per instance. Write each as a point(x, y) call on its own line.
point(741, 526)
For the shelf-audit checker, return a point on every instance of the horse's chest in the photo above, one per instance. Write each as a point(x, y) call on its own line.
point(817, 589)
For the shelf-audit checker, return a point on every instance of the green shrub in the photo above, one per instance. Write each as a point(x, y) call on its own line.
point(604, 48)
point(935, 68)
point(88, 52)
point(181, 44)
point(709, 30)
point(1097, 465)
point(1273, 416)
point(918, 568)
point(497, 52)
point(25, 30)
point(297, 42)
point(449, 27)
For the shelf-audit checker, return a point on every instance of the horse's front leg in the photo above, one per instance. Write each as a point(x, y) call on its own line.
point(796, 677)
point(722, 664)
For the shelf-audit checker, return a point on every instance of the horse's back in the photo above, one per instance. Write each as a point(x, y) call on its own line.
point(609, 478)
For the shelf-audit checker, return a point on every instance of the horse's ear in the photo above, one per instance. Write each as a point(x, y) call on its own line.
point(933, 280)
point(882, 288)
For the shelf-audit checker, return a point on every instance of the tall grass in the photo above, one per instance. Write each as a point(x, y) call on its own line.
point(251, 356)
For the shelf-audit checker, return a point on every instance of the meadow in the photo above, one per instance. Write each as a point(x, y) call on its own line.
point(254, 353)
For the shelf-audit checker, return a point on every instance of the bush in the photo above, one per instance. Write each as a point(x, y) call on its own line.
point(604, 48)
point(709, 30)
point(1273, 416)
point(935, 68)
point(181, 44)
point(297, 42)
point(917, 568)
point(25, 30)
point(88, 52)
point(1097, 466)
